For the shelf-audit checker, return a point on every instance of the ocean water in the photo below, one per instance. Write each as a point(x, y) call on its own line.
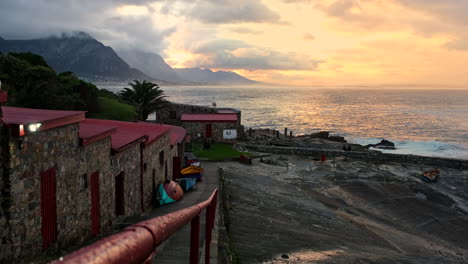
point(430, 122)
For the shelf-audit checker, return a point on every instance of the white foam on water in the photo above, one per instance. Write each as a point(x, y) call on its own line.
point(422, 148)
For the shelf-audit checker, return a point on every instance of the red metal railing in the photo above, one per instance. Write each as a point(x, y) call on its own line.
point(137, 243)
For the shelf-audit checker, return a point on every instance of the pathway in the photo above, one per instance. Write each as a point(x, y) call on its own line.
point(176, 249)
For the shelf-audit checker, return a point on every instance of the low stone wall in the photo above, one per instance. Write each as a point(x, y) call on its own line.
point(370, 156)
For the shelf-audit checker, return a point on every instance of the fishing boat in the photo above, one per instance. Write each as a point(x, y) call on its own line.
point(169, 192)
point(430, 176)
point(187, 183)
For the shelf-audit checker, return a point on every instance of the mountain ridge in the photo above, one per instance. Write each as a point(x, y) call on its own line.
point(79, 53)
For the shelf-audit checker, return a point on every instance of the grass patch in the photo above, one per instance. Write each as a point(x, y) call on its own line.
point(218, 151)
point(114, 110)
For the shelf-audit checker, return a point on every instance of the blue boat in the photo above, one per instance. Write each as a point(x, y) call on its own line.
point(187, 183)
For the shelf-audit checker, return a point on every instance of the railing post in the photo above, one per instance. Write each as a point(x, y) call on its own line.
point(208, 228)
point(194, 239)
point(210, 222)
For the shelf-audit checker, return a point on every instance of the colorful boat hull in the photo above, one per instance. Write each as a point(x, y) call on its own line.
point(191, 170)
point(187, 183)
point(169, 192)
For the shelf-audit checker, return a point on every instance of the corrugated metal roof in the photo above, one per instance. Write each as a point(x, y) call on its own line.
point(48, 118)
point(90, 133)
point(177, 133)
point(209, 117)
point(129, 132)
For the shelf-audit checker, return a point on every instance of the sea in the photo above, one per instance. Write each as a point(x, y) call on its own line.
point(420, 121)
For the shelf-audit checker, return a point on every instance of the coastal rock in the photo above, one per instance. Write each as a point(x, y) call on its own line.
point(383, 144)
point(321, 134)
point(337, 139)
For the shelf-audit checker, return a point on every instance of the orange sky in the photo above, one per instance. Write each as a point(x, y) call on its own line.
point(326, 42)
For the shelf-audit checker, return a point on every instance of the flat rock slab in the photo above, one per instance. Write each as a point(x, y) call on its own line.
point(345, 212)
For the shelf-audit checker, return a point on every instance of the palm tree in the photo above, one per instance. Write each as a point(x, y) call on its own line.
point(147, 97)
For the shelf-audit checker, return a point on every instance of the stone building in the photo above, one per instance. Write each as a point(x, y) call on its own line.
point(201, 122)
point(66, 179)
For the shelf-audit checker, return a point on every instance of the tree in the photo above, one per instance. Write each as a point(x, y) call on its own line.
point(147, 97)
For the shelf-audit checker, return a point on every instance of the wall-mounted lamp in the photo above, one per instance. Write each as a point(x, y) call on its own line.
point(34, 127)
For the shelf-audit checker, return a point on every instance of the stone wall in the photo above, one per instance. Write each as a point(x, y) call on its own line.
point(128, 162)
point(154, 172)
point(26, 157)
point(195, 128)
point(370, 156)
point(55, 148)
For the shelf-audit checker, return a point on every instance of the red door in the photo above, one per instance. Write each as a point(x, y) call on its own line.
point(95, 205)
point(48, 207)
point(119, 194)
point(208, 130)
point(176, 166)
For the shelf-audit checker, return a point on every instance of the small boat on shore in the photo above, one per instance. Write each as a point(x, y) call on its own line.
point(192, 170)
point(430, 176)
point(187, 183)
point(169, 192)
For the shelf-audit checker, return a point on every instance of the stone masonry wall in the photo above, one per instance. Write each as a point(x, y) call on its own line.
point(151, 158)
point(195, 128)
point(371, 156)
point(55, 148)
point(128, 162)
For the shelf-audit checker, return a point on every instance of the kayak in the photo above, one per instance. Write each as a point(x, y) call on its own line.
point(192, 170)
point(187, 183)
point(169, 192)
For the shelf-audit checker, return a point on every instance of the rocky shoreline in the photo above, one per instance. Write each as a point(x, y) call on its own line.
point(294, 209)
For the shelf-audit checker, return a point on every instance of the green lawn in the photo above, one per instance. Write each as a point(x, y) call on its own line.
point(217, 151)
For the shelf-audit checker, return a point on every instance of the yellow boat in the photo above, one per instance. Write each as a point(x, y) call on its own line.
point(192, 170)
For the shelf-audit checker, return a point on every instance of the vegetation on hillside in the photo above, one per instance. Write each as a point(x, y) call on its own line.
point(32, 83)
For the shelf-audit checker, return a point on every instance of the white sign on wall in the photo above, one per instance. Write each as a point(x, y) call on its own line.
point(229, 134)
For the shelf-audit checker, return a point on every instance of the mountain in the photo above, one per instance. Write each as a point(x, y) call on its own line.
point(151, 64)
point(78, 53)
point(208, 76)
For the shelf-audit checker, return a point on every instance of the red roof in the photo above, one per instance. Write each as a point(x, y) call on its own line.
point(177, 133)
point(231, 118)
point(48, 118)
point(90, 133)
point(128, 132)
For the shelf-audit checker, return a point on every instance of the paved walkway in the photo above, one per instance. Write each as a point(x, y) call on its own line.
point(176, 249)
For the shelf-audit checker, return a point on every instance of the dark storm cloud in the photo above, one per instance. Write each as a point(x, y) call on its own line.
point(233, 54)
point(22, 19)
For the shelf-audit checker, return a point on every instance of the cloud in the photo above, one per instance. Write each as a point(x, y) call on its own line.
point(41, 18)
point(227, 11)
point(234, 54)
point(308, 36)
point(245, 30)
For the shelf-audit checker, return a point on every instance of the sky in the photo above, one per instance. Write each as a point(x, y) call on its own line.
point(286, 42)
